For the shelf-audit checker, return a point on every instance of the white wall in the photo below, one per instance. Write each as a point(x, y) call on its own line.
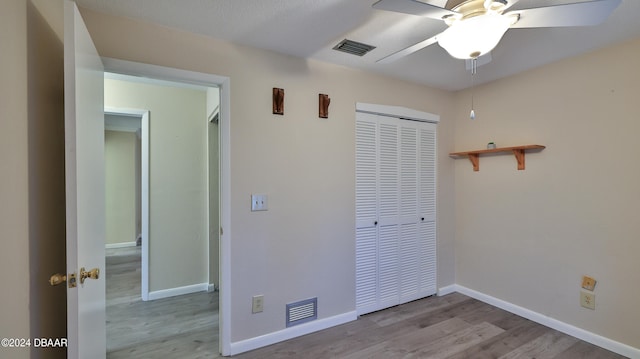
point(527, 237)
point(178, 248)
point(303, 246)
point(120, 186)
point(32, 182)
point(14, 190)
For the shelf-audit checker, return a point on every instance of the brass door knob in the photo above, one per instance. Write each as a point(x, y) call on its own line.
point(93, 274)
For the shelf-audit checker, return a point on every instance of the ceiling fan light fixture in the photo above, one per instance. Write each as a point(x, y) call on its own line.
point(475, 36)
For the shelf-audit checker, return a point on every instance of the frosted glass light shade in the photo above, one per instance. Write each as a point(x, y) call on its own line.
point(475, 36)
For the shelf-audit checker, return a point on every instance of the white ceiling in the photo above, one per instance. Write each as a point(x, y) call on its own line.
point(311, 28)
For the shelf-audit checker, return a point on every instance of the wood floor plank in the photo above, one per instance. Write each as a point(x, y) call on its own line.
point(510, 320)
point(458, 341)
point(416, 308)
point(485, 313)
point(546, 346)
point(455, 310)
point(412, 342)
point(509, 340)
point(584, 350)
point(192, 344)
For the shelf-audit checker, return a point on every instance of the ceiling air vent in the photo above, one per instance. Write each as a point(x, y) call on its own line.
point(353, 47)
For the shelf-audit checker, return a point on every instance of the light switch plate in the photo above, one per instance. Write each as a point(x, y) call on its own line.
point(259, 202)
point(257, 303)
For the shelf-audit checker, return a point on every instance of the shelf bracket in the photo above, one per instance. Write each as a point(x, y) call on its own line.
point(475, 160)
point(519, 153)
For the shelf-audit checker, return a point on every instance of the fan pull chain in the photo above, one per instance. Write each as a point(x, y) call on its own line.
point(474, 68)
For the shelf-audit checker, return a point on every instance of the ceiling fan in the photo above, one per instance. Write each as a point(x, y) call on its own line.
point(477, 26)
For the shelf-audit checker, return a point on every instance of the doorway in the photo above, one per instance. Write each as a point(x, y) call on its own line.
point(127, 186)
point(214, 124)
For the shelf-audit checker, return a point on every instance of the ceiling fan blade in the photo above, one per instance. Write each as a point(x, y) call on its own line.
point(576, 14)
point(409, 50)
point(413, 7)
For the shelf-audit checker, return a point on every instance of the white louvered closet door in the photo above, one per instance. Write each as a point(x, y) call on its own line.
point(366, 213)
point(427, 210)
point(395, 211)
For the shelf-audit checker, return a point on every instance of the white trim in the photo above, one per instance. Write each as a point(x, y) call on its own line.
point(123, 111)
point(211, 287)
point(224, 285)
point(120, 128)
point(560, 326)
point(224, 84)
point(397, 111)
point(446, 290)
point(120, 245)
point(291, 332)
point(144, 188)
point(172, 292)
point(144, 203)
point(154, 81)
point(162, 73)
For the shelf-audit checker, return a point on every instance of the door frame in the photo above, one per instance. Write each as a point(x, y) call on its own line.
point(143, 115)
point(224, 84)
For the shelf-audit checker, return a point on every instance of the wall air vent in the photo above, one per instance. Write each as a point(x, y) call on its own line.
point(353, 47)
point(302, 311)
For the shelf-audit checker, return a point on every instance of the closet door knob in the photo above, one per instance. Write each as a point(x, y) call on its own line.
point(375, 223)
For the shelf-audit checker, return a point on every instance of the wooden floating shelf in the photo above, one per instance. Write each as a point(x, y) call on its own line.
point(518, 151)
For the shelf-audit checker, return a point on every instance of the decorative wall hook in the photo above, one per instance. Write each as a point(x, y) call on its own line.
point(278, 101)
point(324, 101)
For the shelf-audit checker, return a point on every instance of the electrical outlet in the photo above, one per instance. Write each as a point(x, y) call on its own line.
point(588, 283)
point(257, 305)
point(588, 300)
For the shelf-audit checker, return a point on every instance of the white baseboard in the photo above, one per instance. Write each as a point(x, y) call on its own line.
point(563, 327)
point(120, 245)
point(172, 292)
point(211, 287)
point(446, 290)
point(291, 332)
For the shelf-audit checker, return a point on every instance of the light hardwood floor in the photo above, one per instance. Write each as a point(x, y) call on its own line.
point(180, 327)
point(452, 326)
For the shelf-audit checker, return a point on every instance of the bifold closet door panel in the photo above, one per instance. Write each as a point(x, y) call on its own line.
point(366, 215)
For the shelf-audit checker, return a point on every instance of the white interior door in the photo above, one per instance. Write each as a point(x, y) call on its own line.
point(85, 196)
